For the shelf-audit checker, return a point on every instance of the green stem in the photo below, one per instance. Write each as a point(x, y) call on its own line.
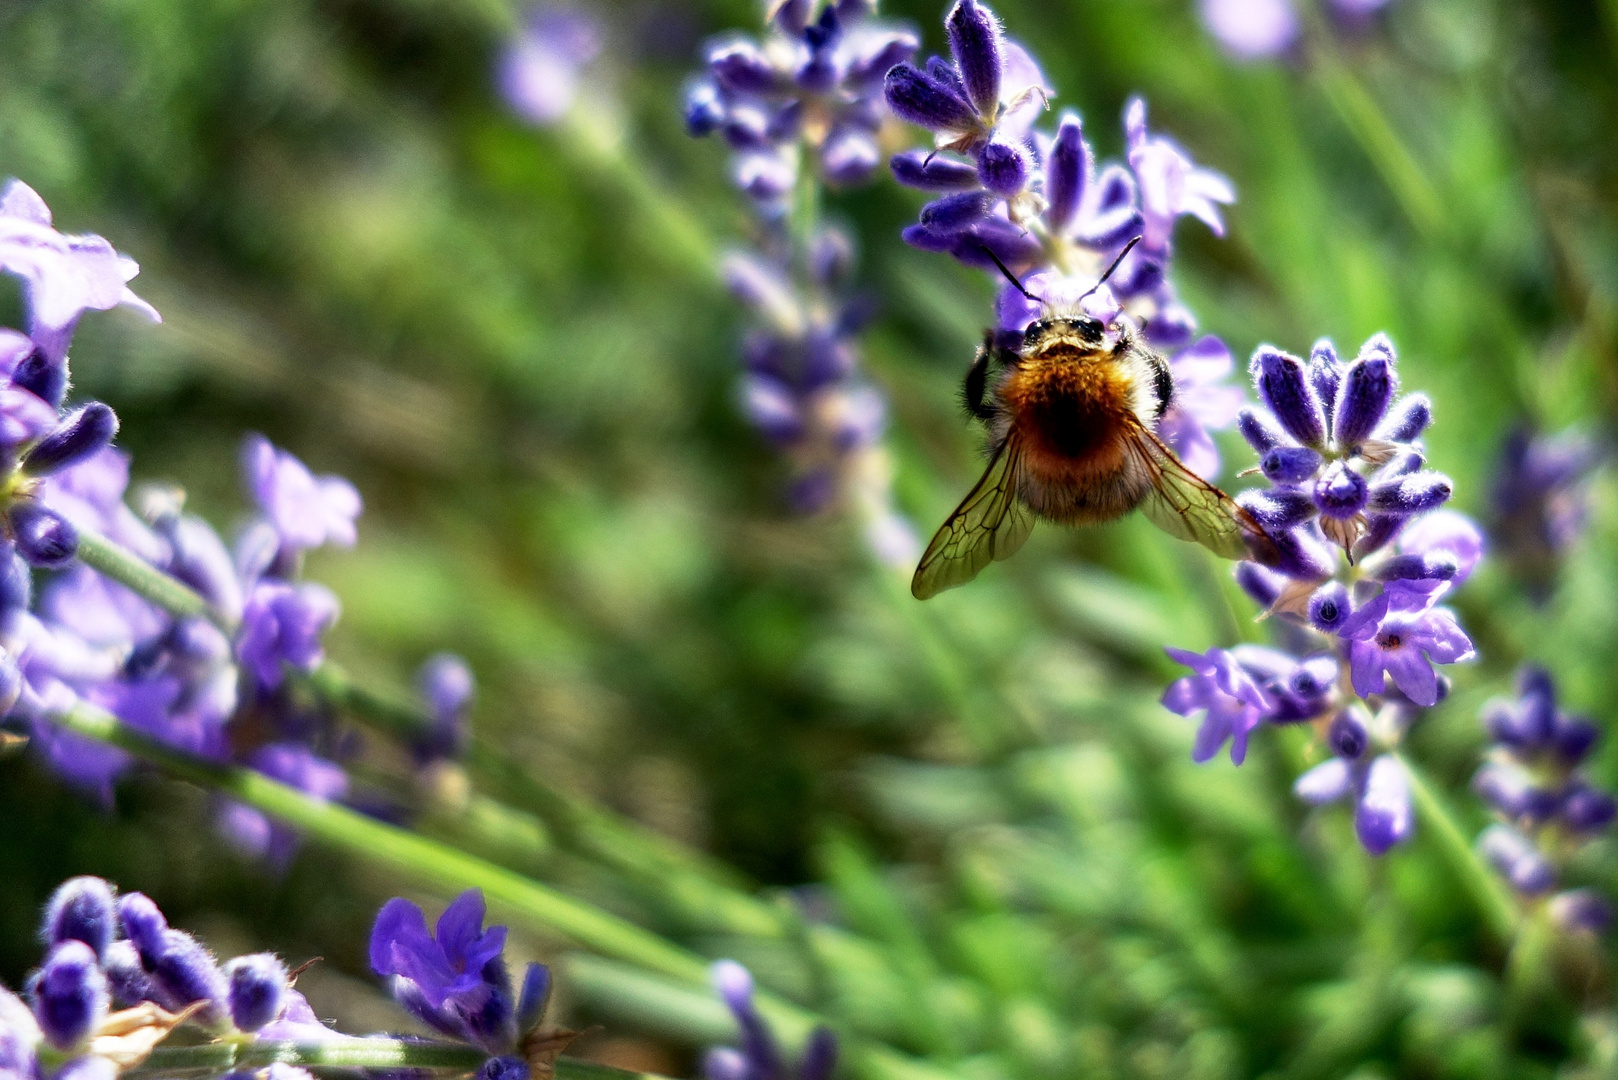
point(447, 869)
point(344, 1053)
point(595, 133)
point(698, 885)
point(684, 879)
point(130, 570)
point(1368, 124)
point(427, 861)
point(1488, 891)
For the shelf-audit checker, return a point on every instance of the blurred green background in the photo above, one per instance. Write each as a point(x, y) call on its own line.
point(360, 253)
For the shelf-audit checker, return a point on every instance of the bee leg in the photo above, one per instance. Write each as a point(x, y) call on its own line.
point(976, 383)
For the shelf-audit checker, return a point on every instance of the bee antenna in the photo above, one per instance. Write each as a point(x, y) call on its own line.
point(1009, 275)
point(1121, 255)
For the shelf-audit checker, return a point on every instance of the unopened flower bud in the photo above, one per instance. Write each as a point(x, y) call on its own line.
point(44, 538)
point(82, 909)
point(85, 431)
point(258, 987)
point(70, 994)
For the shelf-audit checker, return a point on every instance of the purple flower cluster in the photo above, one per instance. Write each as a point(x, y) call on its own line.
point(803, 391)
point(116, 979)
point(812, 87)
point(63, 276)
point(1548, 809)
point(106, 952)
point(1365, 553)
point(759, 1057)
point(1036, 202)
point(1540, 500)
point(1363, 557)
point(1262, 29)
point(454, 979)
point(184, 680)
point(213, 684)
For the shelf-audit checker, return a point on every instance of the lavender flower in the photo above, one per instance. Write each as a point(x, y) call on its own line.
point(456, 981)
point(811, 88)
point(1037, 203)
point(69, 995)
point(1265, 29)
point(446, 685)
point(1364, 553)
point(1531, 778)
point(63, 276)
point(1379, 787)
point(1230, 699)
point(541, 69)
point(1540, 501)
point(1251, 29)
point(759, 1057)
point(810, 92)
point(66, 1031)
point(307, 511)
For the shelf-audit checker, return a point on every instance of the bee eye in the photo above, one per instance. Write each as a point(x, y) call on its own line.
point(1091, 329)
point(1036, 329)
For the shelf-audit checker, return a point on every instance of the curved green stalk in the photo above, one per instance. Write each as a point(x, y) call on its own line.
point(1487, 890)
point(1369, 125)
point(345, 1053)
point(696, 884)
point(130, 570)
point(444, 868)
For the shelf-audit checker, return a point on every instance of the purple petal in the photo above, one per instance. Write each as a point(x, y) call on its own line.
point(1384, 818)
point(1326, 782)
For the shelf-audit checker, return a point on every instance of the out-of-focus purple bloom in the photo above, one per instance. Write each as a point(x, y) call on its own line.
point(1380, 788)
point(811, 87)
point(1203, 402)
point(1170, 183)
point(1532, 780)
point(64, 276)
point(759, 1057)
point(284, 624)
point(446, 686)
point(253, 832)
point(1231, 701)
point(1517, 860)
point(1540, 500)
point(541, 70)
point(1251, 29)
point(306, 510)
point(1581, 911)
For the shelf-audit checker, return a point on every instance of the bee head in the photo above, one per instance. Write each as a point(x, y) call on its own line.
point(1088, 330)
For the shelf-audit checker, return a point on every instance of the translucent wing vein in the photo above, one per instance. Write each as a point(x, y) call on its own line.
point(989, 524)
point(1183, 504)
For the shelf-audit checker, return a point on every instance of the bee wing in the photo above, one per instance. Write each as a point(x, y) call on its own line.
point(1184, 505)
point(989, 524)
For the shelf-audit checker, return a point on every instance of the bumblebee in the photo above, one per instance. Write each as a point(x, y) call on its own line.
point(1072, 420)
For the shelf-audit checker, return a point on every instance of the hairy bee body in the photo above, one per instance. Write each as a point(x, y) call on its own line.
point(1072, 419)
point(1074, 403)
